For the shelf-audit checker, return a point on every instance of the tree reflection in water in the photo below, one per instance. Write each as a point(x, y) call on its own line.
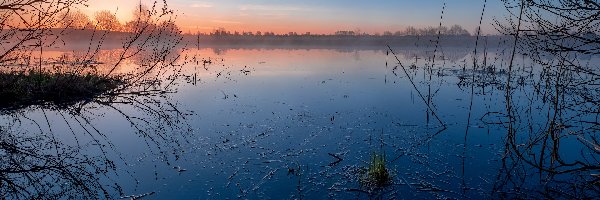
point(552, 129)
point(551, 146)
point(52, 151)
point(80, 164)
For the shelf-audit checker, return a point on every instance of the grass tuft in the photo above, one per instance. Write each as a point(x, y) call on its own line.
point(25, 88)
point(377, 175)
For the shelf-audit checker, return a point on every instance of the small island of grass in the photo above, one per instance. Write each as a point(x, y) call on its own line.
point(377, 175)
point(20, 89)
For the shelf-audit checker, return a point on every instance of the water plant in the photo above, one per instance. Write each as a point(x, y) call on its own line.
point(377, 174)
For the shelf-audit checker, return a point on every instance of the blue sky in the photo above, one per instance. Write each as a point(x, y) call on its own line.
point(320, 16)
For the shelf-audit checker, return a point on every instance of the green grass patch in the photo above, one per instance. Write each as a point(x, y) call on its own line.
point(377, 174)
point(26, 88)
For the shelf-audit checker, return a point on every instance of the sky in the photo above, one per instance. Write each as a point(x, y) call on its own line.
point(316, 16)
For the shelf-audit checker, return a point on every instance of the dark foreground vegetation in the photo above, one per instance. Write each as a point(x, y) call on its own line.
point(22, 89)
point(36, 164)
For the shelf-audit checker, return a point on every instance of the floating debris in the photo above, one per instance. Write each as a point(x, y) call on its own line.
point(179, 169)
point(134, 197)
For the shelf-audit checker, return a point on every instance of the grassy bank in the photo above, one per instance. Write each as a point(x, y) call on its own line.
point(22, 89)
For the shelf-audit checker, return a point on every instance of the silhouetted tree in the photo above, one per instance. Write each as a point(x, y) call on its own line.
point(36, 164)
point(556, 35)
point(26, 25)
point(555, 26)
point(410, 30)
point(105, 20)
point(219, 32)
point(142, 12)
point(142, 19)
point(458, 31)
point(75, 19)
point(455, 30)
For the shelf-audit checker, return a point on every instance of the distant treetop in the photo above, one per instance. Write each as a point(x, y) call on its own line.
point(455, 30)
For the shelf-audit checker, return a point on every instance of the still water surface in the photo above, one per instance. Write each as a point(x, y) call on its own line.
point(263, 123)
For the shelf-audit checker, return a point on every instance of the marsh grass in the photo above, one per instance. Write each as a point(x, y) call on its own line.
point(376, 175)
point(26, 88)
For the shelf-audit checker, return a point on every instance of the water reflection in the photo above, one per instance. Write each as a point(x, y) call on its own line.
point(551, 124)
point(551, 121)
point(265, 122)
point(53, 151)
point(41, 166)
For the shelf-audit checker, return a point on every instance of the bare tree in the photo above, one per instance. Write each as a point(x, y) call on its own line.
point(26, 25)
point(455, 30)
point(142, 19)
point(411, 31)
point(105, 20)
point(555, 26)
point(74, 19)
point(458, 30)
point(37, 165)
point(153, 32)
point(557, 36)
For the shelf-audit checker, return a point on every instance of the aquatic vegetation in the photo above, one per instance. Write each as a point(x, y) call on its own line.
point(377, 174)
point(26, 88)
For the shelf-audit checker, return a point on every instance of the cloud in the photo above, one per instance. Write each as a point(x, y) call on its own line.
point(278, 14)
point(254, 7)
point(201, 5)
point(225, 21)
point(276, 11)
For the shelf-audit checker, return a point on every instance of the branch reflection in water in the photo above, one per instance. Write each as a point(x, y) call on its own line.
point(58, 149)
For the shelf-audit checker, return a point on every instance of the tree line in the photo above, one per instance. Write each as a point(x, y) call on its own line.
point(455, 30)
point(107, 20)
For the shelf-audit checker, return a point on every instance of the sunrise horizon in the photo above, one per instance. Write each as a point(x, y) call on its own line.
point(282, 17)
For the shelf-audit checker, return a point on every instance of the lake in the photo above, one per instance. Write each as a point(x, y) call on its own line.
point(288, 122)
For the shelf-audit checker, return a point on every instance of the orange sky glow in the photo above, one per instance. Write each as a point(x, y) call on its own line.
point(317, 17)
